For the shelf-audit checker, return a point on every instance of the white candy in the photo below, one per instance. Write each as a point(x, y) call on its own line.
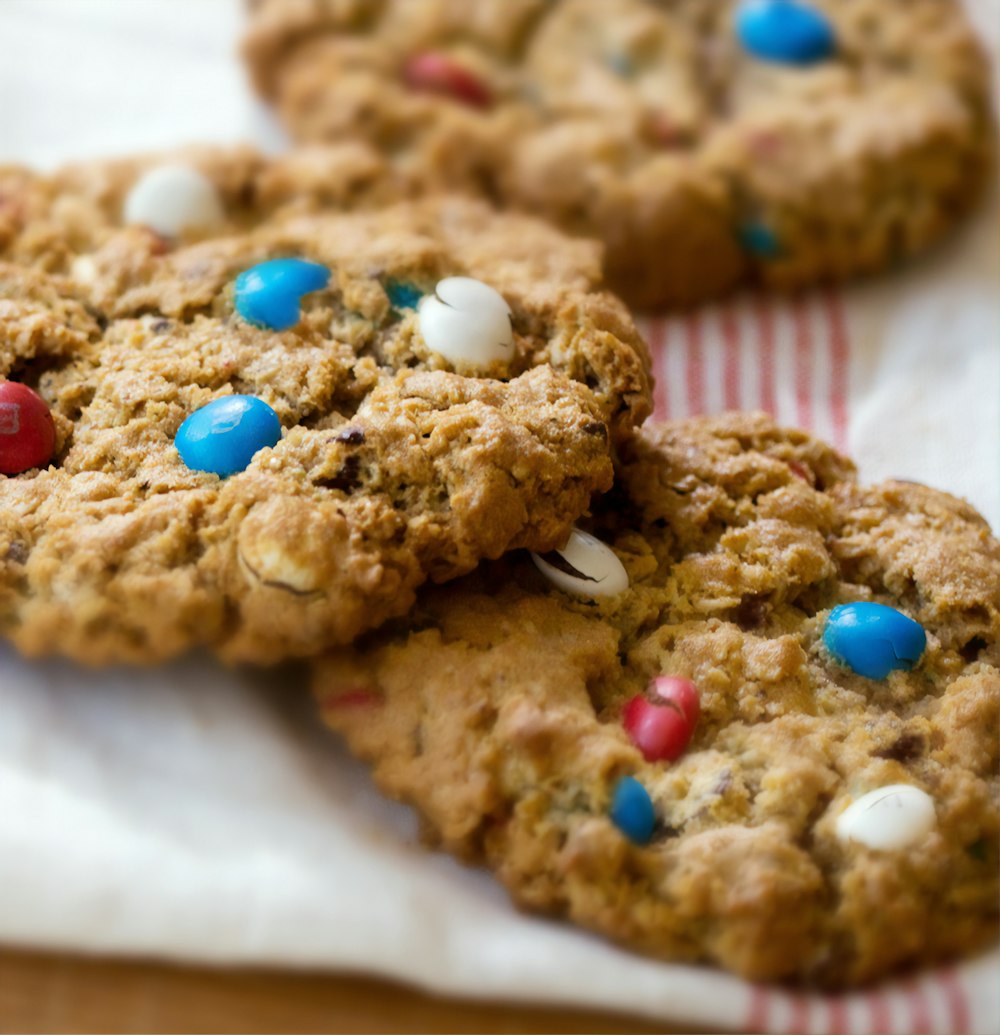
point(467, 322)
point(603, 574)
point(888, 818)
point(173, 198)
point(84, 269)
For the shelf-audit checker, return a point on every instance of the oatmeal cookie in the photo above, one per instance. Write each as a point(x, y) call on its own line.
point(223, 477)
point(696, 766)
point(690, 136)
point(51, 220)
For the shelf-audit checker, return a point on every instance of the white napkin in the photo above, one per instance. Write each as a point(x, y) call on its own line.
point(201, 814)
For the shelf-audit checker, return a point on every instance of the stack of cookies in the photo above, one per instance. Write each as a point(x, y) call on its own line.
point(369, 404)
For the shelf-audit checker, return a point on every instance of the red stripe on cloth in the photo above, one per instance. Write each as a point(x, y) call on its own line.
point(798, 1023)
point(731, 358)
point(695, 365)
point(920, 1014)
point(837, 1015)
point(760, 1011)
point(658, 356)
point(839, 360)
point(958, 1004)
point(804, 379)
point(765, 354)
point(878, 1009)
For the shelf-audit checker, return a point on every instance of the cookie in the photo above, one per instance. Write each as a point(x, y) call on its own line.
point(692, 137)
point(51, 220)
point(264, 440)
point(775, 749)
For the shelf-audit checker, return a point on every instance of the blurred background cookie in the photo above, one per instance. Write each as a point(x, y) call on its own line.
point(706, 143)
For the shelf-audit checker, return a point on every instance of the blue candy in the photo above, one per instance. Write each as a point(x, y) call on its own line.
point(784, 31)
point(268, 294)
point(872, 639)
point(621, 64)
point(223, 436)
point(632, 811)
point(402, 296)
point(760, 240)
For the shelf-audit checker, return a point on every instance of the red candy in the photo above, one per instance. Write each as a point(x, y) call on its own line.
point(799, 470)
point(664, 131)
point(27, 434)
point(680, 693)
point(353, 698)
point(438, 73)
point(661, 731)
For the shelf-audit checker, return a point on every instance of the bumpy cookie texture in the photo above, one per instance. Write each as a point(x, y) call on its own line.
point(53, 220)
point(393, 467)
point(651, 127)
point(496, 708)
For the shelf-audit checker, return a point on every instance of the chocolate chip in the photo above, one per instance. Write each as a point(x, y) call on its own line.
point(346, 480)
point(979, 850)
point(971, 650)
point(351, 436)
point(664, 832)
point(751, 613)
point(17, 552)
point(906, 747)
point(596, 428)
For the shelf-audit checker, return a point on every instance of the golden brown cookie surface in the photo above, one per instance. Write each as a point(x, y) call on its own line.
point(498, 708)
point(649, 125)
point(394, 464)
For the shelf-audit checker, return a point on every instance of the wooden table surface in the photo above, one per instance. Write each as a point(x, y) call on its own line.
point(42, 993)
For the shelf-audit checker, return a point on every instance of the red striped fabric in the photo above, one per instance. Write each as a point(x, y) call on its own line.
point(798, 1021)
point(766, 358)
point(878, 1014)
point(935, 1004)
point(919, 1014)
point(788, 357)
point(958, 1007)
point(758, 1012)
point(836, 1010)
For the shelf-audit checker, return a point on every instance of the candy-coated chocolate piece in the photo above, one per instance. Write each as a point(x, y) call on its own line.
point(467, 322)
point(872, 639)
point(888, 818)
point(584, 566)
point(661, 723)
point(360, 697)
point(27, 434)
point(223, 437)
point(268, 294)
point(661, 732)
point(632, 810)
point(403, 296)
point(679, 692)
point(799, 470)
point(621, 64)
point(664, 131)
point(787, 32)
point(172, 199)
point(759, 240)
point(438, 73)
